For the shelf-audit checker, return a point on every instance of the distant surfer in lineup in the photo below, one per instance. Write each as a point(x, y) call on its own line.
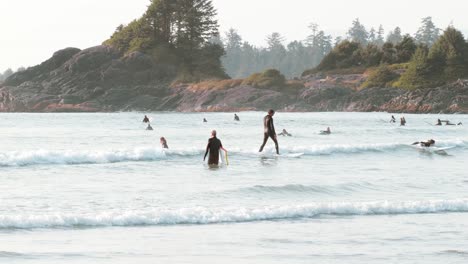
point(393, 120)
point(402, 121)
point(427, 144)
point(269, 130)
point(439, 122)
point(204, 120)
point(236, 117)
point(163, 142)
point(145, 119)
point(149, 127)
point(284, 133)
point(213, 147)
point(326, 132)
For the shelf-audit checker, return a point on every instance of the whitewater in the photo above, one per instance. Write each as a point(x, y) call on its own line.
point(98, 188)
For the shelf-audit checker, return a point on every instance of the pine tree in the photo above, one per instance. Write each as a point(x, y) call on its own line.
point(380, 36)
point(358, 32)
point(395, 36)
point(405, 49)
point(428, 33)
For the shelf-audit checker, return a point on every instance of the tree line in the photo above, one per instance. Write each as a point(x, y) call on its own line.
point(8, 72)
point(242, 58)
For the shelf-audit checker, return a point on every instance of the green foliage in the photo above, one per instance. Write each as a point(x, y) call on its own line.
point(345, 55)
point(451, 53)
point(446, 61)
point(175, 32)
point(358, 33)
point(383, 76)
point(394, 36)
point(135, 36)
point(405, 49)
point(371, 55)
point(428, 33)
point(419, 73)
point(270, 78)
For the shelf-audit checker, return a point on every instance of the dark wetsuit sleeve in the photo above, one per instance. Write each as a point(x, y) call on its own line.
point(207, 149)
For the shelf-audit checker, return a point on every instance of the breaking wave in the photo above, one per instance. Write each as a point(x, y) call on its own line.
point(204, 215)
point(72, 157)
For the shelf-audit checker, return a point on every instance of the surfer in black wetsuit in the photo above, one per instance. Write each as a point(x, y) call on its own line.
point(269, 130)
point(402, 121)
point(393, 120)
point(236, 117)
point(213, 147)
point(146, 119)
point(427, 144)
point(326, 132)
point(163, 142)
point(204, 120)
point(149, 127)
point(439, 122)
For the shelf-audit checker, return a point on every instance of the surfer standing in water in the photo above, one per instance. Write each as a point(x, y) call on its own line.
point(145, 119)
point(269, 130)
point(213, 147)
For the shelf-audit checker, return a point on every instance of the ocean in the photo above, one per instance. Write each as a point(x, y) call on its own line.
point(98, 188)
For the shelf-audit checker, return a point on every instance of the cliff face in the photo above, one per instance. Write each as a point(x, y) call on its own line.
point(100, 79)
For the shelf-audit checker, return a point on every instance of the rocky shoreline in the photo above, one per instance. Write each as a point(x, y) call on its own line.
point(99, 79)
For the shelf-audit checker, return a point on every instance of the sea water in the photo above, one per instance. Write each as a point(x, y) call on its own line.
point(98, 188)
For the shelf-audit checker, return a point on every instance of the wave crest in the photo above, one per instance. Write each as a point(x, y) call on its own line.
point(203, 215)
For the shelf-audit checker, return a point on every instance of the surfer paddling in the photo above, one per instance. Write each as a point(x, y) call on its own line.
point(213, 147)
point(284, 133)
point(269, 130)
point(426, 144)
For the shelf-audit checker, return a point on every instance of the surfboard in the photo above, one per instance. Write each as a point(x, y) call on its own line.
point(287, 155)
point(226, 158)
point(433, 149)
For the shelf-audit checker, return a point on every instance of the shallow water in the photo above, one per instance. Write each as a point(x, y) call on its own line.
point(97, 188)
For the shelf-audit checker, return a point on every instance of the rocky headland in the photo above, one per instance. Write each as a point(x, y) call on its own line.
point(100, 79)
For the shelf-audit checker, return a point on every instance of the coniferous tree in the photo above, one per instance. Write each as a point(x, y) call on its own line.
point(394, 36)
point(428, 33)
point(358, 32)
point(405, 49)
point(379, 41)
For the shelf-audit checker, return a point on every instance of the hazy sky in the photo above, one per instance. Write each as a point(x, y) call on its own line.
point(32, 30)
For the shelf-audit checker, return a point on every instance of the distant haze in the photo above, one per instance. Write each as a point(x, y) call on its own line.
point(31, 31)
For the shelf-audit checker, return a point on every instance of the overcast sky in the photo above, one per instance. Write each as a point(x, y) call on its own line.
point(32, 30)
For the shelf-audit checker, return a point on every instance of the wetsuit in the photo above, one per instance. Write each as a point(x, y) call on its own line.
point(269, 131)
point(214, 144)
point(146, 120)
point(164, 145)
point(236, 118)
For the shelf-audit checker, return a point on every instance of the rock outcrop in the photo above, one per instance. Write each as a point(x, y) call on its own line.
point(101, 79)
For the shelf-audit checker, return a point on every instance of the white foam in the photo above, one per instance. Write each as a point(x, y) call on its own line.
point(203, 215)
point(38, 157)
point(51, 157)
